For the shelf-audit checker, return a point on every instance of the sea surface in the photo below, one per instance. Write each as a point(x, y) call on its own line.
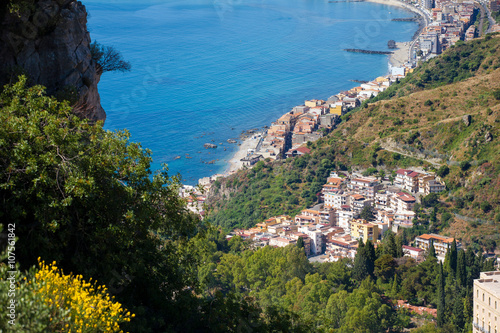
point(203, 71)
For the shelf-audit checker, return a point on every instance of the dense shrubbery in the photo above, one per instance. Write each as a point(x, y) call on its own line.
point(86, 198)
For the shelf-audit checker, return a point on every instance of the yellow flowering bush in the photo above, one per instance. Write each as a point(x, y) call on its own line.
point(87, 307)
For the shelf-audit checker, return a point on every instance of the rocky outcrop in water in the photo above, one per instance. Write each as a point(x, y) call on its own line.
point(48, 41)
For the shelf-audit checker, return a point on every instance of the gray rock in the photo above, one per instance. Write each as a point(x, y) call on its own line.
point(51, 46)
point(488, 137)
point(466, 119)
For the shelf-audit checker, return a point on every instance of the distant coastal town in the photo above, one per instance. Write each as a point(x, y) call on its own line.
point(443, 23)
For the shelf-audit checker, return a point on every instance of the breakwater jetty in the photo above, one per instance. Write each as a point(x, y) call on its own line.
point(368, 51)
point(339, 1)
point(406, 19)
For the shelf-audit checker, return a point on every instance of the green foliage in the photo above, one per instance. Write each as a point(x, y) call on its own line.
point(76, 192)
point(385, 267)
point(496, 94)
point(108, 58)
point(300, 243)
point(464, 165)
point(430, 200)
point(441, 298)
point(367, 213)
point(364, 262)
point(443, 171)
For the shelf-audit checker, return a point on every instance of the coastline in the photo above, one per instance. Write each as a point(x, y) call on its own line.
point(397, 59)
point(396, 3)
point(400, 55)
point(235, 161)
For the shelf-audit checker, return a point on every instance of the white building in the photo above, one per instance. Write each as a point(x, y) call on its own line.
point(486, 303)
point(316, 238)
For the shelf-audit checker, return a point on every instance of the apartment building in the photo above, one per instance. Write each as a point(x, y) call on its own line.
point(441, 244)
point(361, 229)
point(367, 186)
point(403, 202)
point(316, 238)
point(345, 214)
point(336, 199)
point(486, 303)
point(433, 186)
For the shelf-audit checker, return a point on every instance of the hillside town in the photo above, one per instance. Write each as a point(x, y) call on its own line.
point(333, 228)
point(287, 137)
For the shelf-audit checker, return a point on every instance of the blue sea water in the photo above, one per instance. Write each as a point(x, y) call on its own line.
point(203, 71)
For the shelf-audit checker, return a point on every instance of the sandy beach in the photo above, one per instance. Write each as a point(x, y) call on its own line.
point(400, 55)
point(248, 143)
point(396, 3)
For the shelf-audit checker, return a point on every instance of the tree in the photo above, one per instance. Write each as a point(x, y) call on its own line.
point(385, 267)
point(441, 298)
point(464, 165)
point(433, 217)
point(458, 317)
point(461, 273)
point(432, 253)
point(395, 287)
point(451, 258)
point(390, 244)
point(367, 213)
point(86, 198)
point(361, 268)
point(399, 245)
point(430, 200)
point(108, 58)
point(300, 243)
point(443, 171)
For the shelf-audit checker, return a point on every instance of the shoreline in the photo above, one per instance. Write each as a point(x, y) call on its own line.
point(397, 59)
point(401, 53)
point(396, 3)
point(246, 143)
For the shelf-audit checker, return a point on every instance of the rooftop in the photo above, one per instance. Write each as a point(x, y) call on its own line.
point(490, 281)
point(411, 248)
point(436, 237)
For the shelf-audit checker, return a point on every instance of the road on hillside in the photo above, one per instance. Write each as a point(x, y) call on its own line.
point(481, 21)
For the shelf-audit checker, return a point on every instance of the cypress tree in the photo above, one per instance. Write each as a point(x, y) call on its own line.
point(360, 269)
point(451, 259)
point(391, 245)
point(461, 273)
point(441, 303)
point(395, 287)
point(399, 246)
point(371, 257)
point(404, 237)
point(453, 256)
point(432, 253)
point(458, 314)
point(300, 243)
point(433, 218)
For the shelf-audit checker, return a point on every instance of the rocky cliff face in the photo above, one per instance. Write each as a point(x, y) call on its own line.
point(49, 42)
